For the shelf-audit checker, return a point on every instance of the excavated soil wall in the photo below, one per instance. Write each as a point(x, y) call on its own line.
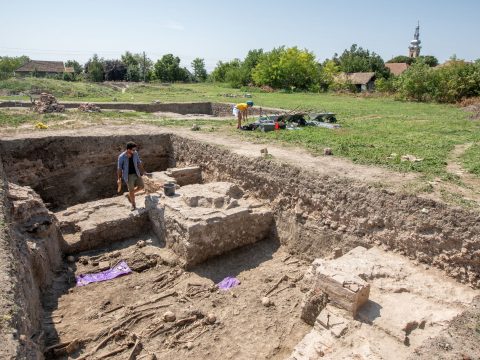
point(180, 108)
point(315, 215)
point(69, 170)
point(28, 254)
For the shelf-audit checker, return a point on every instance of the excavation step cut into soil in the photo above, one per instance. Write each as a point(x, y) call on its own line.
point(227, 218)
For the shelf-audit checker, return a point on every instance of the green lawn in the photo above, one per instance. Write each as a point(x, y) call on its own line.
point(373, 128)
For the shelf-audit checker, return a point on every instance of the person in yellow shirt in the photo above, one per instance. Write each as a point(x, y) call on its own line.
point(240, 111)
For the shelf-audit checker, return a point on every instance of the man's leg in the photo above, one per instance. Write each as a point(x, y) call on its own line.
point(131, 189)
point(239, 119)
point(138, 185)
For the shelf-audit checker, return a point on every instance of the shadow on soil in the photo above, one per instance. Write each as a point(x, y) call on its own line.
point(369, 312)
point(237, 261)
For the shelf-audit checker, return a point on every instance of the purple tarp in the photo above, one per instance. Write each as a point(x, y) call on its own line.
point(228, 283)
point(118, 270)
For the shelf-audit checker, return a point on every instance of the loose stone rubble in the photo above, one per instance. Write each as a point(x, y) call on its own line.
point(47, 103)
point(89, 107)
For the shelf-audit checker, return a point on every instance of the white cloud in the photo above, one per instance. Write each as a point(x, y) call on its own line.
point(173, 25)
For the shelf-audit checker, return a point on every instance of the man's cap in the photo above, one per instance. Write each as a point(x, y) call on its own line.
point(250, 103)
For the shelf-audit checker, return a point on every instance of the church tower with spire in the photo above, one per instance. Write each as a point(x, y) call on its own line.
point(414, 48)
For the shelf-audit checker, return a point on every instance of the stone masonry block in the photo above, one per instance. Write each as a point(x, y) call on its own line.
point(206, 220)
point(186, 176)
point(347, 291)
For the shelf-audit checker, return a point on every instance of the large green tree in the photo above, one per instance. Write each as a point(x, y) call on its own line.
point(8, 64)
point(219, 74)
point(199, 70)
point(249, 63)
point(94, 68)
point(168, 69)
point(287, 68)
point(115, 70)
point(357, 59)
point(139, 67)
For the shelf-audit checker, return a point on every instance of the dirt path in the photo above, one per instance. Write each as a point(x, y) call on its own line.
point(470, 191)
point(454, 166)
point(323, 165)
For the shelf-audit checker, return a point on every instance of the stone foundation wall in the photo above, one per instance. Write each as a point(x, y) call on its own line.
point(315, 215)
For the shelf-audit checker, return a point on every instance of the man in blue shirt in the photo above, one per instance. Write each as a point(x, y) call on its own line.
point(130, 169)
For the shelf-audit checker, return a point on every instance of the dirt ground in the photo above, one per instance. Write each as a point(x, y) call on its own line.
point(135, 304)
point(460, 338)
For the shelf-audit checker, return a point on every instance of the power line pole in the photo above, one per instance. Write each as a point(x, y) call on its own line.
point(144, 65)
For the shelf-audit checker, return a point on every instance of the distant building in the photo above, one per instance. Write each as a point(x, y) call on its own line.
point(363, 81)
point(42, 68)
point(414, 48)
point(397, 68)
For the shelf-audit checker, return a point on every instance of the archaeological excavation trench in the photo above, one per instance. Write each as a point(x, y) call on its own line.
point(325, 267)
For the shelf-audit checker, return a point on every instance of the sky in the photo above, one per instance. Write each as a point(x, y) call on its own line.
point(223, 30)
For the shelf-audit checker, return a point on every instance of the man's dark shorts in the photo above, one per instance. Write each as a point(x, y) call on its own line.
point(134, 181)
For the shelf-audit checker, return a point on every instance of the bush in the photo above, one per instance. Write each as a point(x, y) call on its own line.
point(449, 83)
point(385, 85)
point(455, 81)
point(416, 83)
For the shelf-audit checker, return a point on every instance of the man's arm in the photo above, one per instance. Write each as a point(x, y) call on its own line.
point(119, 169)
point(141, 168)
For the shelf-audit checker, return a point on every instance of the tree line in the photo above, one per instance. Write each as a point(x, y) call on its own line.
point(130, 67)
point(291, 69)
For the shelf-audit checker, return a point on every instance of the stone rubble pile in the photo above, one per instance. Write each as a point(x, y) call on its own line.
point(47, 103)
point(89, 107)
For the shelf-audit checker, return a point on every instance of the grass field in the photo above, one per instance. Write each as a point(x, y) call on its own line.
point(375, 130)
